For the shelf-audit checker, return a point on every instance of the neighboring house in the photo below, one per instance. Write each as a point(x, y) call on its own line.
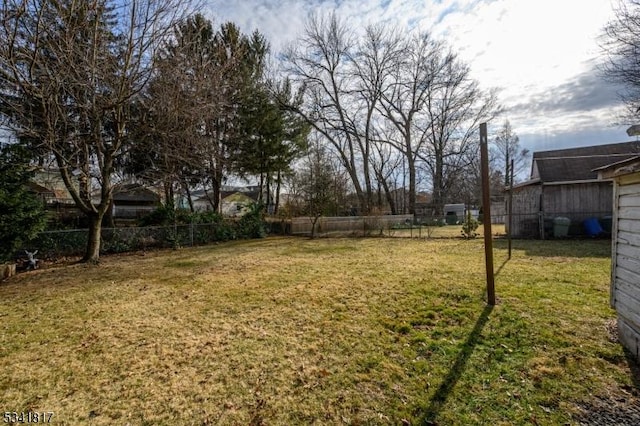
point(200, 200)
point(236, 204)
point(234, 200)
point(47, 195)
point(563, 183)
point(132, 201)
point(48, 185)
point(625, 259)
point(56, 191)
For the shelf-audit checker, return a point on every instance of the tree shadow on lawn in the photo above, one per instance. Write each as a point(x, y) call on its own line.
point(439, 399)
point(583, 247)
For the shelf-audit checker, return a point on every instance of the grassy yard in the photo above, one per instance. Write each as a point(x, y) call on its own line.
point(331, 331)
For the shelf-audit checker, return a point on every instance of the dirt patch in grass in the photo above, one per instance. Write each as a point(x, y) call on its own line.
point(293, 331)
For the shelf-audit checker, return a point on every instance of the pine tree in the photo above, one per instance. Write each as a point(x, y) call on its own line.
point(21, 212)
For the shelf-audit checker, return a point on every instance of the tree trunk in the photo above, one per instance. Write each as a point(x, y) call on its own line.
point(268, 185)
point(313, 226)
point(277, 202)
point(412, 184)
point(215, 198)
point(216, 186)
point(261, 188)
point(109, 221)
point(438, 201)
point(168, 194)
point(367, 184)
point(189, 199)
point(389, 197)
point(92, 254)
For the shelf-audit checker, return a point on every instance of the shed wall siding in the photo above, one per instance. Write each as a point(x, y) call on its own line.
point(578, 200)
point(626, 266)
point(526, 209)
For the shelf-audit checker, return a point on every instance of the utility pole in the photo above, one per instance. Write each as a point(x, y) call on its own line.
point(486, 214)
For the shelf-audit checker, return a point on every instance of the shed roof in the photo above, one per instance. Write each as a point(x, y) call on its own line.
point(631, 165)
point(576, 164)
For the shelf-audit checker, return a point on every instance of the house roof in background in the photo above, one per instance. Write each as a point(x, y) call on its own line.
point(134, 192)
point(39, 189)
point(576, 164)
point(201, 195)
point(253, 195)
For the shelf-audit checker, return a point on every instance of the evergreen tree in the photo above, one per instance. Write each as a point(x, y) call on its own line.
point(271, 137)
point(21, 212)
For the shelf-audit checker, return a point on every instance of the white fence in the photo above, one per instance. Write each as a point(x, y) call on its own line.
point(361, 225)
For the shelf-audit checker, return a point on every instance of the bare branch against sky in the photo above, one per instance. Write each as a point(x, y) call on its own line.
point(542, 54)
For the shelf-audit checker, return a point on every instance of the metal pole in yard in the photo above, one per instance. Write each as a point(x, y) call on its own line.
point(486, 217)
point(510, 207)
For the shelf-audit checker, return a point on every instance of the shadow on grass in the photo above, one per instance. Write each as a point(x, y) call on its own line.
point(580, 247)
point(504, 262)
point(439, 399)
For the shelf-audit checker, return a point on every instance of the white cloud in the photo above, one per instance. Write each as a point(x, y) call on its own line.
point(530, 49)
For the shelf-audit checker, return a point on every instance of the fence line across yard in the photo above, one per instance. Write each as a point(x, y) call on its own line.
point(357, 225)
point(118, 240)
point(61, 243)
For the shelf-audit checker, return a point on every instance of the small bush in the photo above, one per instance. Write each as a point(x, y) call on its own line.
point(252, 224)
point(469, 227)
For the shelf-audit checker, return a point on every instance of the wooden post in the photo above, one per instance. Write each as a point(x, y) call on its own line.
point(510, 207)
point(486, 214)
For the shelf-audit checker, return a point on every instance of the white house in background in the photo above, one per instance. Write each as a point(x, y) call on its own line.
point(625, 256)
point(234, 200)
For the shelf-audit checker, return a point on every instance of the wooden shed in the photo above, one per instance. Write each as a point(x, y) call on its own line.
point(625, 256)
point(564, 183)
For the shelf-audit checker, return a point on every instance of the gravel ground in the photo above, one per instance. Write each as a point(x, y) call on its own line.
point(621, 407)
point(616, 411)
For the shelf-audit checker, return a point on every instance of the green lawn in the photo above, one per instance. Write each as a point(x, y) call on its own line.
point(330, 331)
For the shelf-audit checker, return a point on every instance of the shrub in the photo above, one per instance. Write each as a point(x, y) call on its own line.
point(252, 224)
point(469, 227)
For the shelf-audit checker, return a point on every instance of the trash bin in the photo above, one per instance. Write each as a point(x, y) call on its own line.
point(606, 223)
point(592, 227)
point(451, 218)
point(561, 226)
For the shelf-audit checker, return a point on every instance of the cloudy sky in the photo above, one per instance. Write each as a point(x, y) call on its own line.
point(542, 54)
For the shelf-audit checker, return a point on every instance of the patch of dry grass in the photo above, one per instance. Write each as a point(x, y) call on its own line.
point(331, 331)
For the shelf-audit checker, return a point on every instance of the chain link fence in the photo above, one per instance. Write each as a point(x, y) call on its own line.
point(52, 244)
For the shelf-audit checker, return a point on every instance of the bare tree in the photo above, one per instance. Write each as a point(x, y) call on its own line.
point(336, 106)
point(453, 111)
point(416, 74)
point(507, 148)
point(318, 185)
point(621, 45)
point(386, 161)
point(412, 93)
point(69, 71)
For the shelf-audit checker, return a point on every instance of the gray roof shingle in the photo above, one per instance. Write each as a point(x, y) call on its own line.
point(575, 164)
